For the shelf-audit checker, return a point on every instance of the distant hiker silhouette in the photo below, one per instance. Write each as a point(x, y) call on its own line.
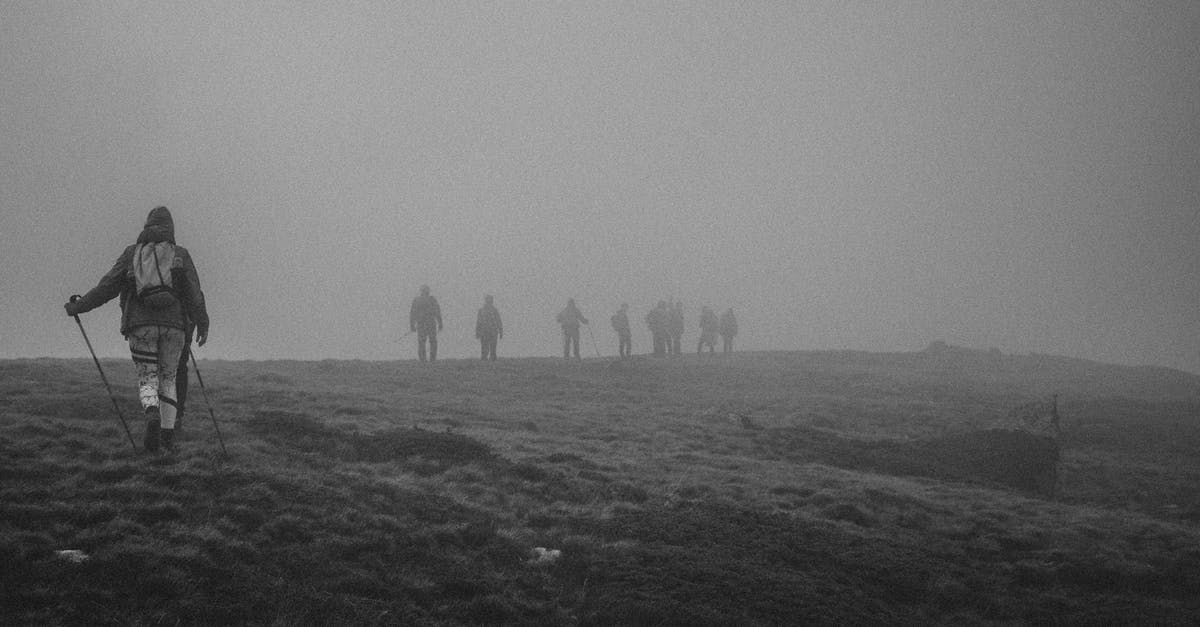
point(658, 320)
point(425, 319)
point(161, 303)
point(620, 324)
point(675, 329)
point(729, 329)
point(709, 327)
point(488, 329)
point(570, 318)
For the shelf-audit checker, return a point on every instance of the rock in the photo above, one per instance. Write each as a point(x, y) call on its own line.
point(75, 556)
point(542, 555)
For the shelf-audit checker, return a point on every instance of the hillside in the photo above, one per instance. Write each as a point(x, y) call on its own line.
point(760, 488)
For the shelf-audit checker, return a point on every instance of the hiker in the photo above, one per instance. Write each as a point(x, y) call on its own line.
point(570, 318)
point(729, 328)
point(425, 319)
point(160, 301)
point(709, 327)
point(620, 324)
point(488, 329)
point(657, 321)
point(675, 329)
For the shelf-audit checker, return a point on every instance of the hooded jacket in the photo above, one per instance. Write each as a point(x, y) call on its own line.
point(570, 317)
point(487, 323)
point(188, 312)
point(729, 326)
point(425, 314)
point(620, 322)
point(709, 324)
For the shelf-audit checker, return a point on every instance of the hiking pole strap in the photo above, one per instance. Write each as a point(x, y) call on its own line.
point(208, 402)
point(111, 397)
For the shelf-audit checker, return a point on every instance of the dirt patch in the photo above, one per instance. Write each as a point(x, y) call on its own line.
point(419, 450)
point(1014, 459)
point(429, 453)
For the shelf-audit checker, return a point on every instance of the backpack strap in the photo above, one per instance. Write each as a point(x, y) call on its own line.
point(157, 266)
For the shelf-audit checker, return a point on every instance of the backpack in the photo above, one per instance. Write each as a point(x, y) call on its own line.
point(152, 279)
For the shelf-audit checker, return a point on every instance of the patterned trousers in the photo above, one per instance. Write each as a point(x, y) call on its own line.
point(156, 351)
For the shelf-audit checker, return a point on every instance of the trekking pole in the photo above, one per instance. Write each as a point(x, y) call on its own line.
point(594, 344)
point(103, 378)
point(208, 402)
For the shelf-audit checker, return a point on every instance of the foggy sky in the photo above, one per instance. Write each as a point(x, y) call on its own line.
point(868, 176)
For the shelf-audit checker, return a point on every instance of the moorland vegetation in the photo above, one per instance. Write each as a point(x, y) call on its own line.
point(755, 488)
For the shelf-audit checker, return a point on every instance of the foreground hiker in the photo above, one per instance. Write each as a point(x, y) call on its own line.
point(488, 329)
point(425, 319)
point(160, 301)
point(570, 318)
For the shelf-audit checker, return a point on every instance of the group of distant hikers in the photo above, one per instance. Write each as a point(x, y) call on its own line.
point(666, 324)
point(666, 328)
point(163, 309)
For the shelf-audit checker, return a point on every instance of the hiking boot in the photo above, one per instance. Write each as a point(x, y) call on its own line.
point(152, 429)
point(167, 436)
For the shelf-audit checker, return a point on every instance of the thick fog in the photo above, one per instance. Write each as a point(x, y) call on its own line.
point(1024, 176)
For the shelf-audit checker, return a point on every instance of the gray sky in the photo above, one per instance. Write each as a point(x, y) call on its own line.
point(845, 175)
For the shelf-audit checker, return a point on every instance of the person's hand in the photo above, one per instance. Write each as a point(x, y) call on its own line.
point(201, 338)
point(72, 306)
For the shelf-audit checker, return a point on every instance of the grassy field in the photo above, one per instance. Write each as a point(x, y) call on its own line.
point(759, 488)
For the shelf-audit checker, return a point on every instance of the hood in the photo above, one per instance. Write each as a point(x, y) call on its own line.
point(160, 227)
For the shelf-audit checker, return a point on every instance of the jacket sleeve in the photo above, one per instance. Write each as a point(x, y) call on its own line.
point(193, 296)
point(110, 285)
point(437, 312)
point(412, 316)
